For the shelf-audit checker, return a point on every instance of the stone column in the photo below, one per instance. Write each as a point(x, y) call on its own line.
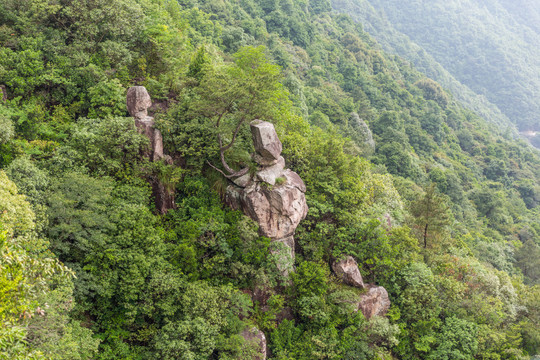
point(273, 196)
point(138, 101)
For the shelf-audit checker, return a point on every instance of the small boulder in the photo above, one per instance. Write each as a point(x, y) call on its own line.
point(375, 302)
point(263, 161)
point(347, 270)
point(138, 101)
point(265, 139)
point(255, 338)
point(294, 180)
point(243, 180)
point(271, 173)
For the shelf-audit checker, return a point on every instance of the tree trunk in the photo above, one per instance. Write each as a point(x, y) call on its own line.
point(425, 236)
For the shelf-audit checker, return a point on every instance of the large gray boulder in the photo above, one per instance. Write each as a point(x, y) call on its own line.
point(375, 302)
point(146, 126)
point(347, 270)
point(138, 101)
point(265, 139)
point(278, 210)
point(269, 174)
point(255, 339)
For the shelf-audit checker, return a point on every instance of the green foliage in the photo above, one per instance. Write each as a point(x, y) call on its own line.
point(431, 214)
point(177, 286)
point(35, 290)
point(457, 340)
point(107, 147)
point(106, 99)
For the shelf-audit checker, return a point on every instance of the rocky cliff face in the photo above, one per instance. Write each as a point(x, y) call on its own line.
point(273, 196)
point(138, 101)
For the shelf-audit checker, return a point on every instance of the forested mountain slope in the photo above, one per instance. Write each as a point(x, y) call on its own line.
point(393, 41)
point(436, 205)
point(492, 47)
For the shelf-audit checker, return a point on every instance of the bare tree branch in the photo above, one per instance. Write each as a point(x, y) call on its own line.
point(235, 174)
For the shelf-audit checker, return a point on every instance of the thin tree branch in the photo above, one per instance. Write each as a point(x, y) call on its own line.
point(235, 174)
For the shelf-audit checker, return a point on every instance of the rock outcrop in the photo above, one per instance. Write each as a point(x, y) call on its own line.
point(347, 270)
point(273, 196)
point(375, 302)
point(138, 101)
point(255, 338)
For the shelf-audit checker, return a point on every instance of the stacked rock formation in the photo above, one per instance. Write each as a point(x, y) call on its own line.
point(373, 303)
point(138, 101)
point(273, 196)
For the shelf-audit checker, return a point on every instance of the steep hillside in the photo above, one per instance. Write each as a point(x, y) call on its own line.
point(393, 41)
point(422, 233)
point(492, 47)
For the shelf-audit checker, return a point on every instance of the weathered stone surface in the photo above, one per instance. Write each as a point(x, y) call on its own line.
point(375, 302)
point(255, 337)
point(163, 198)
point(293, 179)
point(277, 210)
point(269, 174)
point(243, 180)
point(278, 207)
point(262, 161)
point(146, 127)
point(138, 102)
point(347, 270)
point(265, 139)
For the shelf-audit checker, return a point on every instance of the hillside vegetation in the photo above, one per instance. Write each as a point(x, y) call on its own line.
point(490, 46)
point(436, 204)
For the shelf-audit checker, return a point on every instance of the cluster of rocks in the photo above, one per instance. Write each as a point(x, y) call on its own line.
point(375, 301)
point(273, 196)
point(138, 101)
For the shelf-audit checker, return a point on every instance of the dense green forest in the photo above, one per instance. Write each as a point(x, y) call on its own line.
point(90, 269)
point(490, 46)
point(393, 41)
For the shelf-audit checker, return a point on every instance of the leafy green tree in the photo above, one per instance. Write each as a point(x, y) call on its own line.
point(457, 340)
point(431, 214)
point(35, 290)
point(231, 95)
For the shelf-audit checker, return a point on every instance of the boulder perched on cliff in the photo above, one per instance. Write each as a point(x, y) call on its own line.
point(375, 302)
point(273, 196)
point(347, 270)
point(138, 101)
point(277, 210)
point(255, 339)
point(265, 140)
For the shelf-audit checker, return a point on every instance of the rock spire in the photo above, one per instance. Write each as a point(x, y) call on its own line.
point(273, 196)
